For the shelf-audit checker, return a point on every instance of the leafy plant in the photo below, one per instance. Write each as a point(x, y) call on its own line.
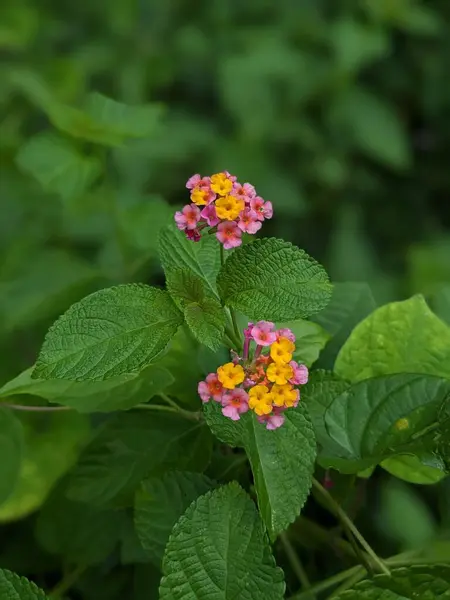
point(206, 487)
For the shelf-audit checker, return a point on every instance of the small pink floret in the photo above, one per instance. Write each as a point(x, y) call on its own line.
point(273, 421)
point(263, 209)
point(209, 214)
point(198, 181)
point(229, 234)
point(263, 333)
point(235, 403)
point(249, 221)
point(286, 333)
point(301, 373)
point(244, 191)
point(188, 217)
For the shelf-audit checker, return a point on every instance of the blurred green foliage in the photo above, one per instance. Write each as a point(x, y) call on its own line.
point(336, 111)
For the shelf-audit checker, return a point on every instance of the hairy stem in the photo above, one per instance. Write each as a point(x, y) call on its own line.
point(338, 511)
point(187, 414)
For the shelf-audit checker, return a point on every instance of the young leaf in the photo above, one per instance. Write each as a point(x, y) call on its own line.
point(57, 165)
point(282, 461)
point(160, 502)
point(398, 337)
point(133, 445)
point(202, 258)
point(118, 393)
point(111, 332)
point(384, 416)
point(77, 532)
point(428, 581)
point(203, 313)
point(218, 550)
point(349, 304)
point(272, 279)
point(11, 452)
point(41, 464)
point(13, 587)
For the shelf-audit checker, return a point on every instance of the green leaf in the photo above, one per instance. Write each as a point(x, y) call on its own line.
point(57, 166)
point(441, 303)
point(272, 279)
point(429, 581)
point(77, 532)
point(131, 550)
point(282, 461)
point(410, 468)
point(13, 587)
point(318, 394)
point(350, 303)
point(357, 45)
point(159, 503)
point(218, 551)
point(202, 311)
point(106, 121)
point(310, 340)
point(53, 442)
point(11, 452)
point(373, 127)
point(111, 332)
point(400, 505)
point(30, 295)
point(398, 337)
point(131, 446)
point(384, 416)
point(202, 258)
point(118, 393)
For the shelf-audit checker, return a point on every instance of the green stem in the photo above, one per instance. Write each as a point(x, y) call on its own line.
point(347, 522)
point(296, 565)
point(35, 408)
point(327, 583)
point(351, 581)
point(156, 407)
point(188, 414)
point(66, 583)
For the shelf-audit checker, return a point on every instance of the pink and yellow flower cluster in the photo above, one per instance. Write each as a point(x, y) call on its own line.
point(228, 207)
point(264, 380)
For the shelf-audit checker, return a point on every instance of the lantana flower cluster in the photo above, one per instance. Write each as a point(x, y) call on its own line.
point(265, 379)
point(224, 205)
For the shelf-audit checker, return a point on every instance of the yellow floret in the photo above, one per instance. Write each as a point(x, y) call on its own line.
point(260, 400)
point(199, 196)
point(279, 373)
point(229, 207)
point(283, 395)
point(220, 184)
point(230, 375)
point(281, 351)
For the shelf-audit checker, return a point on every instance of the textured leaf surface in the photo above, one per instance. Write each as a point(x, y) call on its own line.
point(11, 452)
point(428, 582)
point(218, 551)
point(202, 311)
point(41, 464)
point(133, 445)
point(282, 461)
point(272, 279)
point(202, 258)
point(310, 340)
point(398, 337)
point(350, 303)
point(111, 332)
point(118, 393)
point(13, 587)
point(160, 502)
point(57, 166)
point(380, 417)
